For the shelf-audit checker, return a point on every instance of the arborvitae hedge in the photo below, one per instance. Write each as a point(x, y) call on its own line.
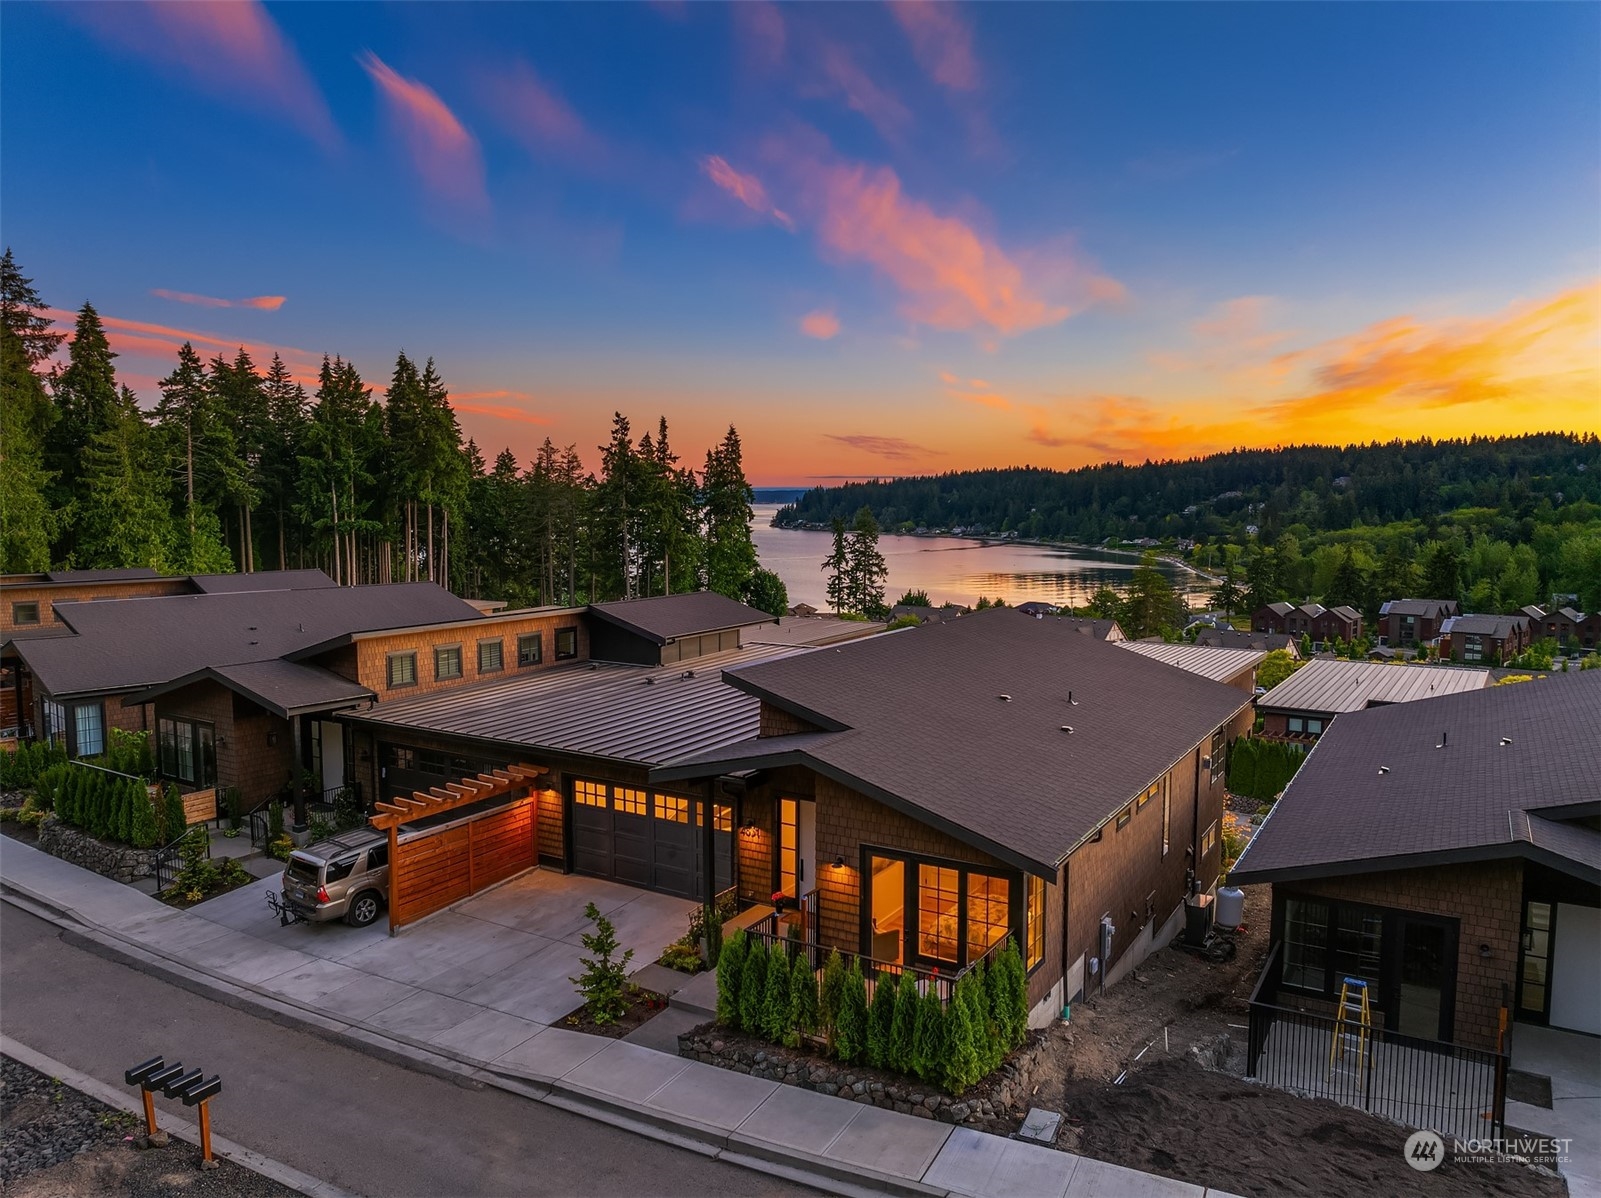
point(730, 970)
point(1261, 769)
point(753, 988)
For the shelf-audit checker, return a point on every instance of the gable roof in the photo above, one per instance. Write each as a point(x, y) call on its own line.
point(921, 724)
point(1281, 608)
point(1229, 638)
point(124, 644)
point(1101, 629)
point(1416, 607)
point(1500, 627)
point(1209, 661)
point(665, 618)
point(284, 688)
point(1514, 757)
point(262, 580)
point(1331, 685)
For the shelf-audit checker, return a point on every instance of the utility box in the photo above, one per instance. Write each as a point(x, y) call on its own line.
point(1197, 919)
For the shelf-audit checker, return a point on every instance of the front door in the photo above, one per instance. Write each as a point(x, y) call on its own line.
point(797, 846)
point(1425, 979)
point(1534, 987)
point(331, 738)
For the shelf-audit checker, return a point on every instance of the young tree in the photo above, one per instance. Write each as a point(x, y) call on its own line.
point(850, 1028)
point(904, 1026)
point(929, 1037)
point(604, 981)
point(776, 1014)
point(753, 987)
point(881, 1022)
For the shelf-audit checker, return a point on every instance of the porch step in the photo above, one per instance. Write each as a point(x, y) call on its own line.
point(698, 995)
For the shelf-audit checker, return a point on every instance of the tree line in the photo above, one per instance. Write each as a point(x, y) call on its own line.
point(240, 467)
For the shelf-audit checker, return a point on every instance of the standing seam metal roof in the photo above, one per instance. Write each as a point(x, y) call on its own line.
point(1331, 686)
point(1209, 661)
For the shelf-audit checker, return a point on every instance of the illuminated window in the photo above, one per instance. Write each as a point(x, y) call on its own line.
point(1124, 816)
point(788, 846)
point(629, 802)
point(1158, 787)
point(938, 897)
point(672, 808)
point(589, 794)
point(722, 818)
point(1036, 920)
point(1167, 823)
point(989, 906)
point(1209, 838)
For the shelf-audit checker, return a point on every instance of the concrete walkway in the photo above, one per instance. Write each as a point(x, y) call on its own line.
point(475, 990)
point(1573, 1063)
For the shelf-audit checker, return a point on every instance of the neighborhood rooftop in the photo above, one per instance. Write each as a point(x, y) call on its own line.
point(1208, 661)
point(1471, 776)
point(665, 618)
point(967, 725)
point(1332, 687)
point(284, 688)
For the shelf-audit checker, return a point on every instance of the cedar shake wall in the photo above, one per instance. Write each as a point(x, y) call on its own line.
point(775, 721)
point(47, 596)
point(1487, 900)
point(755, 849)
point(244, 759)
point(372, 653)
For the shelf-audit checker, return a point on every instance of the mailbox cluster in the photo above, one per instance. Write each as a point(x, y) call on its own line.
point(194, 1087)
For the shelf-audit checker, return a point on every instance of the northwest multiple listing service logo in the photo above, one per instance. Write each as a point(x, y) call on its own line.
point(1425, 1151)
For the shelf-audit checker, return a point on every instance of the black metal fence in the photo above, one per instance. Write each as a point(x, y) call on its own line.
point(1450, 1088)
point(168, 861)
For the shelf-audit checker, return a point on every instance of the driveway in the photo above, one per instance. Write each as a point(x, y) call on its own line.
point(479, 978)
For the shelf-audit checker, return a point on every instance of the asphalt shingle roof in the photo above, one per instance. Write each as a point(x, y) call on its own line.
point(1511, 757)
point(1479, 625)
point(1331, 686)
point(664, 618)
point(922, 723)
point(262, 580)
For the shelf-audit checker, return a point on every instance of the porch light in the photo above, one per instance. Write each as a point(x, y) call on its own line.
point(1484, 952)
point(839, 861)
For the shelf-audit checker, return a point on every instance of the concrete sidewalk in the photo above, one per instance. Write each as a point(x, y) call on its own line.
point(418, 998)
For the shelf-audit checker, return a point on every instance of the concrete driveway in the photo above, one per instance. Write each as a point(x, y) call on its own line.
point(479, 978)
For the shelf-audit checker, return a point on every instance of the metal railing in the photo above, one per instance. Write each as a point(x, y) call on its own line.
point(168, 862)
point(1453, 1089)
point(325, 807)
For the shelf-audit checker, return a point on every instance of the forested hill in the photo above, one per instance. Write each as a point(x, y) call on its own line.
point(1230, 495)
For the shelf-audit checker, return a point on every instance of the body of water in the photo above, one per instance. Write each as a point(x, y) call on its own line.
point(957, 570)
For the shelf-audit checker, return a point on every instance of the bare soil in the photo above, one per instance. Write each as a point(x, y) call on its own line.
point(643, 1005)
point(17, 830)
point(1174, 1031)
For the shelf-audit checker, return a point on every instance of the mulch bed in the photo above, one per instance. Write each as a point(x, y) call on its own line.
point(20, 831)
point(643, 1005)
point(56, 1142)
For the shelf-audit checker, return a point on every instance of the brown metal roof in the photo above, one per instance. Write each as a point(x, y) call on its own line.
point(1478, 775)
point(1330, 686)
point(665, 618)
point(1218, 664)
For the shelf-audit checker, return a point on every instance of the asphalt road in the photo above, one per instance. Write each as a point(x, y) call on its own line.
point(337, 1114)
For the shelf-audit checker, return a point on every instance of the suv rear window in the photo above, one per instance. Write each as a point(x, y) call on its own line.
point(303, 870)
point(339, 870)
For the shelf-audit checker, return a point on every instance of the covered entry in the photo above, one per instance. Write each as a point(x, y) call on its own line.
point(647, 838)
point(448, 843)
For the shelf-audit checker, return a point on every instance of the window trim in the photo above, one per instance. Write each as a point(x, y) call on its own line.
point(390, 659)
point(1125, 816)
point(461, 666)
point(570, 634)
point(1016, 910)
point(19, 607)
point(537, 640)
point(199, 744)
point(500, 648)
point(99, 709)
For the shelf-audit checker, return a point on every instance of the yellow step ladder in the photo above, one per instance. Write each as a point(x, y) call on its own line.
point(1353, 1024)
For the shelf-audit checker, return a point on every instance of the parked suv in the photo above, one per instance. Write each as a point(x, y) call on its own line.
point(343, 877)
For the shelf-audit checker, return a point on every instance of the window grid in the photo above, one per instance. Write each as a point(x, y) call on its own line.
point(1036, 920)
point(24, 613)
point(530, 649)
point(1157, 787)
point(989, 905)
point(630, 802)
point(491, 657)
point(1209, 838)
point(566, 643)
point(938, 899)
point(589, 794)
point(88, 726)
point(1305, 944)
point(447, 662)
point(788, 846)
point(672, 808)
point(1124, 816)
point(402, 669)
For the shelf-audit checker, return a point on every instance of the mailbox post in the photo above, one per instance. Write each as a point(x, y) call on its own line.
point(194, 1087)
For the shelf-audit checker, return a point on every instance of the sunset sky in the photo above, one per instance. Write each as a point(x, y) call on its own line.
point(880, 239)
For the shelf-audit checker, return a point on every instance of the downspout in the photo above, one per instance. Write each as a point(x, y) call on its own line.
point(1066, 997)
point(1195, 830)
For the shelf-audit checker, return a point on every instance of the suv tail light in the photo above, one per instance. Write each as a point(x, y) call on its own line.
point(322, 894)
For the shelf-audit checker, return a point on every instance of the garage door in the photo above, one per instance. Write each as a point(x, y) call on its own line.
point(1576, 969)
point(646, 838)
point(435, 868)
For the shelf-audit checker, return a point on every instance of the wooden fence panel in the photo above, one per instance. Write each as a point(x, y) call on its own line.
point(200, 806)
point(437, 869)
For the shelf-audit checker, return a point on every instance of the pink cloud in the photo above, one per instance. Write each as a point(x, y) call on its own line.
point(158, 344)
point(444, 154)
point(974, 391)
point(821, 324)
point(950, 274)
point(941, 41)
point(862, 94)
point(761, 27)
point(264, 303)
point(747, 189)
point(230, 48)
point(893, 448)
point(497, 411)
point(539, 117)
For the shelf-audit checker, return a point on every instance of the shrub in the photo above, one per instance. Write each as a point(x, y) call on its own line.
point(30, 814)
point(775, 998)
point(730, 967)
point(753, 987)
point(603, 982)
point(275, 820)
point(881, 1022)
point(1016, 972)
point(833, 992)
point(348, 812)
point(850, 1028)
point(963, 1058)
point(682, 956)
point(142, 830)
point(175, 821)
point(802, 1000)
point(280, 846)
point(928, 1036)
point(904, 1024)
point(318, 829)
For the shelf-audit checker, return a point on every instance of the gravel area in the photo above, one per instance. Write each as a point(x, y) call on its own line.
point(56, 1142)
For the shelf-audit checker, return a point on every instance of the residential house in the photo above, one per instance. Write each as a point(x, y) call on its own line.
point(1093, 626)
point(1274, 617)
point(802, 609)
point(1447, 853)
point(1232, 667)
point(1228, 638)
point(927, 794)
point(29, 600)
point(1304, 704)
point(1311, 620)
point(1036, 608)
point(1408, 623)
point(1566, 627)
point(1488, 639)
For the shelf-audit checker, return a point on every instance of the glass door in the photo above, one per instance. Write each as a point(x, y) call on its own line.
point(797, 847)
point(1535, 967)
point(1425, 976)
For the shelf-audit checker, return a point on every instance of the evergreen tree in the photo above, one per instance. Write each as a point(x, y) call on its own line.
point(730, 550)
point(1350, 586)
point(22, 315)
point(87, 404)
point(881, 1022)
point(766, 592)
point(1105, 604)
point(776, 1015)
point(865, 567)
point(1442, 570)
point(1398, 573)
point(1228, 595)
point(124, 519)
point(1151, 606)
point(837, 566)
point(239, 401)
point(802, 1000)
point(753, 987)
point(964, 1062)
point(1262, 585)
point(27, 520)
point(730, 972)
point(850, 1026)
point(142, 828)
point(617, 501)
point(175, 822)
point(903, 1029)
point(928, 1037)
point(285, 402)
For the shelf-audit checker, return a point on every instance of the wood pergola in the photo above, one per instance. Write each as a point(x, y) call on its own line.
point(445, 865)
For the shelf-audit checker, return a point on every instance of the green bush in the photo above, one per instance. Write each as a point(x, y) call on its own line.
point(730, 968)
point(143, 832)
point(833, 994)
point(753, 987)
point(775, 997)
point(904, 1024)
point(603, 982)
point(928, 1037)
point(1261, 769)
point(174, 822)
point(850, 1028)
point(963, 1060)
point(318, 829)
point(802, 1000)
point(881, 1023)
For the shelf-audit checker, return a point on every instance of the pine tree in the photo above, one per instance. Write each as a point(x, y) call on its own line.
point(27, 520)
point(730, 550)
point(22, 315)
point(904, 1027)
point(928, 1037)
point(865, 567)
point(285, 402)
point(176, 822)
point(964, 1063)
point(1151, 606)
point(1228, 595)
point(753, 987)
point(730, 972)
point(617, 501)
point(881, 1022)
point(87, 403)
point(766, 592)
point(142, 829)
point(123, 519)
point(837, 566)
point(833, 994)
point(802, 1000)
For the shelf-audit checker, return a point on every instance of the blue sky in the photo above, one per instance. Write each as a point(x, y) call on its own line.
point(877, 238)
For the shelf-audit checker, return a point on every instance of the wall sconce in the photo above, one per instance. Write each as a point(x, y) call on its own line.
point(272, 740)
point(1484, 952)
point(839, 861)
point(749, 830)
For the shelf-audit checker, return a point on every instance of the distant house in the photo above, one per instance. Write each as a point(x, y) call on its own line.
point(1489, 639)
point(1229, 638)
point(1274, 617)
point(1036, 608)
point(1304, 704)
point(928, 615)
point(1408, 623)
point(1232, 667)
point(1590, 632)
point(1564, 626)
point(1094, 626)
point(803, 609)
point(1445, 852)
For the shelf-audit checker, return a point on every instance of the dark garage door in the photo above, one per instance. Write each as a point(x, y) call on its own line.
point(646, 838)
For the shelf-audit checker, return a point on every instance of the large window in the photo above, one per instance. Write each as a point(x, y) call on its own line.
point(24, 613)
point(1036, 920)
point(944, 913)
point(402, 669)
point(938, 909)
point(1306, 925)
point(1325, 942)
point(566, 643)
point(1358, 935)
point(88, 730)
point(188, 751)
point(1220, 750)
point(530, 649)
point(447, 662)
point(989, 902)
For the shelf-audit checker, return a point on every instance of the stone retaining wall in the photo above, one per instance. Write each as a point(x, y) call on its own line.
point(998, 1102)
point(119, 862)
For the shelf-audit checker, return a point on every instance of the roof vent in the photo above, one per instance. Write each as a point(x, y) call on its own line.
point(1068, 728)
point(649, 681)
point(687, 674)
point(1443, 738)
point(1004, 698)
point(1071, 701)
point(1384, 769)
point(1506, 740)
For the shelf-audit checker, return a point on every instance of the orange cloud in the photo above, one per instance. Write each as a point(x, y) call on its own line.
point(747, 189)
point(498, 411)
point(893, 448)
point(950, 274)
point(444, 154)
point(231, 48)
point(264, 303)
point(941, 42)
point(822, 324)
point(974, 391)
point(841, 76)
point(537, 115)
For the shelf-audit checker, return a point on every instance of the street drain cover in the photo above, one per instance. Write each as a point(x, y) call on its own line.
point(1041, 1126)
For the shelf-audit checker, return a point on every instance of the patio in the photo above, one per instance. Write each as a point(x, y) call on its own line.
point(1573, 1063)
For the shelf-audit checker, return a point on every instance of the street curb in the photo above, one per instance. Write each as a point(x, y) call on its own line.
point(122, 1100)
point(831, 1177)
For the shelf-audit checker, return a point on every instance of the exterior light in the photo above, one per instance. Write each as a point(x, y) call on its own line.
point(839, 861)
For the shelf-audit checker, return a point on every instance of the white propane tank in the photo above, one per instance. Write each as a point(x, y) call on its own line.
point(1230, 907)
